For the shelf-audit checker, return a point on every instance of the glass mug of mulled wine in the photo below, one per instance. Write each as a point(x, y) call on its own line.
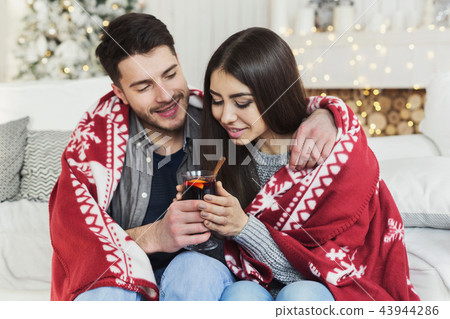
point(197, 184)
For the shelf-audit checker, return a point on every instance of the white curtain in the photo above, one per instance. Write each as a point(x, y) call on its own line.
point(11, 12)
point(200, 26)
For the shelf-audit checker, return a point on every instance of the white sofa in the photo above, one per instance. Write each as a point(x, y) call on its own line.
point(412, 166)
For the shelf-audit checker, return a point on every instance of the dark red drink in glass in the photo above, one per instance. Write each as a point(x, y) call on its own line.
point(196, 188)
point(197, 184)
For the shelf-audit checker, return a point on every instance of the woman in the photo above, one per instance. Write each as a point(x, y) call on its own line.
point(319, 234)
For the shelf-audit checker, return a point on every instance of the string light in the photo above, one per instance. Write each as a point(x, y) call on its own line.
point(52, 31)
point(377, 106)
point(66, 70)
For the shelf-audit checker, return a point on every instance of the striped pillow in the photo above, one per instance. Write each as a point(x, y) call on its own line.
point(42, 163)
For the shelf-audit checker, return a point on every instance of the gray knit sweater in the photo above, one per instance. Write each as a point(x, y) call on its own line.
point(255, 238)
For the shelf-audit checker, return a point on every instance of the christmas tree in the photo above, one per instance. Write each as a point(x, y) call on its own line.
point(59, 37)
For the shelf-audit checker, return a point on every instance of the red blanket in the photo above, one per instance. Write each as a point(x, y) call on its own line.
point(90, 249)
point(337, 223)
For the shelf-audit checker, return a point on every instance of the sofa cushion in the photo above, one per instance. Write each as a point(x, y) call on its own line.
point(13, 137)
point(428, 258)
point(421, 188)
point(25, 248)
point(437, 112)
point(42, 163)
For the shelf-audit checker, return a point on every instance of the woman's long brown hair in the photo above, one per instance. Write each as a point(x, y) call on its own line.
point(261, 60)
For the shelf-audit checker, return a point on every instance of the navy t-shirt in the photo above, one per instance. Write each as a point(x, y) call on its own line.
point(163, 191)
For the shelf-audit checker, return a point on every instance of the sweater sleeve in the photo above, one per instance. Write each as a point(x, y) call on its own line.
point(256, 239)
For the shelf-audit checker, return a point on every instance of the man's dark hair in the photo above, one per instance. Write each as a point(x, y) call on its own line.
point(131, 34)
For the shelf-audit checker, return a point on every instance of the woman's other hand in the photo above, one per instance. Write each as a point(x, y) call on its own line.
point(223, 213)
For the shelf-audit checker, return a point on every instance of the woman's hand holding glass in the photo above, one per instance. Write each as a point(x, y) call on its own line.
point(222, 213)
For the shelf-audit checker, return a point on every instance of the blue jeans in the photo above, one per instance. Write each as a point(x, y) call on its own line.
point(297, 291)
point(189, 276)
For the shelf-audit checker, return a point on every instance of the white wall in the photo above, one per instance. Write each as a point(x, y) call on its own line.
point(3, 33)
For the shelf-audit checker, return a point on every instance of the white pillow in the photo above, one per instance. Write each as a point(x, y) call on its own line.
point(421, 189)
point(437, 112)
point(402, 146)
point(53, 104)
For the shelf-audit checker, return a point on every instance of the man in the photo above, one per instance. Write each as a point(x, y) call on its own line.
point(120, 171)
